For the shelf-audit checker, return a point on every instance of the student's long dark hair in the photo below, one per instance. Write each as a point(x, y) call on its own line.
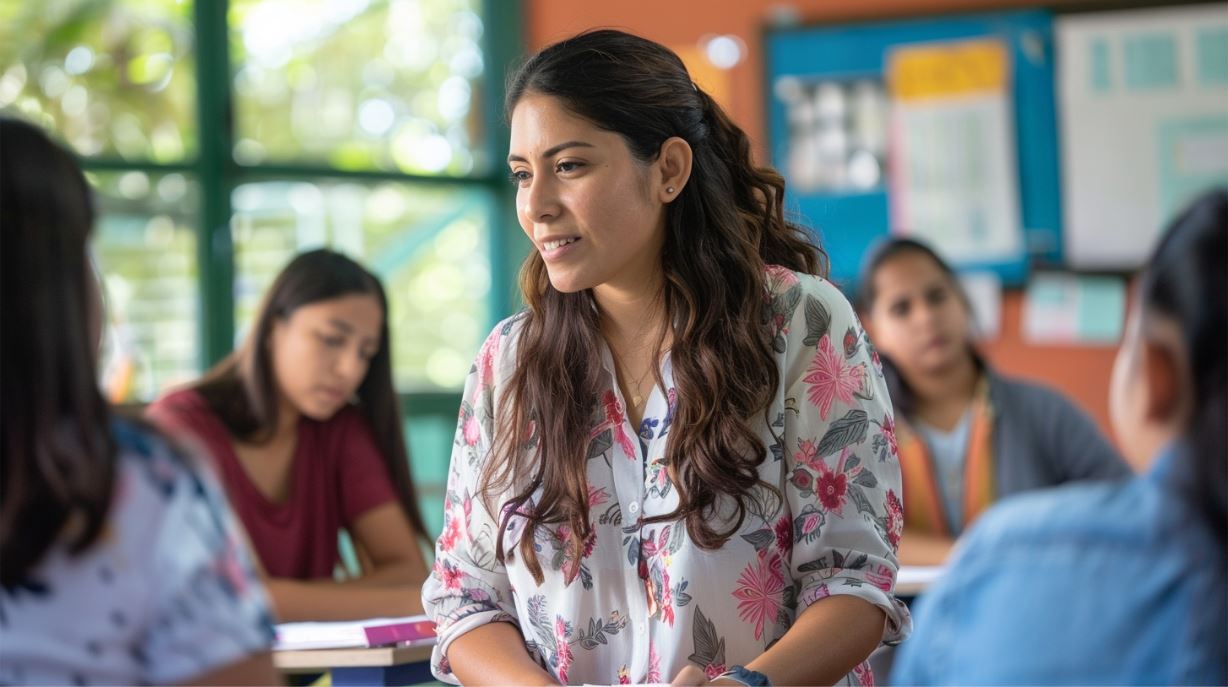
point(902, 396)
point(1186, 282)
point(241, 389)
point(724, 226)
point(57, 462)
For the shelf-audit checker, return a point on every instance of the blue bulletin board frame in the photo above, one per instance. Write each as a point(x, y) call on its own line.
point(849, 223)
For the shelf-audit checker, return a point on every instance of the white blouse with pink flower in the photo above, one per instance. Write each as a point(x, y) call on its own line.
point(643, 600)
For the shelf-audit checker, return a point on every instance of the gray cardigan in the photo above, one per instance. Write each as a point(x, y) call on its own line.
point(1041, 439)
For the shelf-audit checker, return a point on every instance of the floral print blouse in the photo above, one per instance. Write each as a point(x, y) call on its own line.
point(643, 600)
point(167, 593)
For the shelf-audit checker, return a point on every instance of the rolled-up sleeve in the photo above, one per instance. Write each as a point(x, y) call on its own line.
point(468, 587)
point(843, 480)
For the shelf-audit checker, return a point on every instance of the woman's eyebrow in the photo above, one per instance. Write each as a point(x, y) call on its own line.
point(553, 150)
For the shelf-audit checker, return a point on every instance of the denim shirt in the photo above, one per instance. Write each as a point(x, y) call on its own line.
point(1108, 583)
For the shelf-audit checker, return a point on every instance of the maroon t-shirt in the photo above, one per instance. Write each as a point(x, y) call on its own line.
point(336, 476)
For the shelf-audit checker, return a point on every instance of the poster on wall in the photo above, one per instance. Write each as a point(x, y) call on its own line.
point(953, 172)
point(1143, 107)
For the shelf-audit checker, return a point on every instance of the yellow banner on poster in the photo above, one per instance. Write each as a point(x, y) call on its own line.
point(947, 69)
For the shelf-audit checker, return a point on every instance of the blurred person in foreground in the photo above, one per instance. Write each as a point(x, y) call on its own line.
point(120, 562)
point(1113, 583)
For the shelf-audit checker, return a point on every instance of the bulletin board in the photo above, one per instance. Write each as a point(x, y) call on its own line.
point(839, 180)
point(1144, 117)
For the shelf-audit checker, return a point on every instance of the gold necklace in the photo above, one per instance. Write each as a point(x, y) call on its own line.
point(637, 397)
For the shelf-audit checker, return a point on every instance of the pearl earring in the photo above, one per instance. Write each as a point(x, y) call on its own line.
point(669, 189)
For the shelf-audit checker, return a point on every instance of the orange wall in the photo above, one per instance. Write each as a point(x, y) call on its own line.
point(1082, 372)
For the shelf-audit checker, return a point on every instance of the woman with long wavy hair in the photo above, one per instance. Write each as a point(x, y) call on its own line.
point(677, 462)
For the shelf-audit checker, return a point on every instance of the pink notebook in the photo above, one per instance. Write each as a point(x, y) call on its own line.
point(395, 633)
point(416, 629)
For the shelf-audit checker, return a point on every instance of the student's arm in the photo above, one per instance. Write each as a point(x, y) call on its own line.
point(393, 587)
point(494, 654)
point(923, 548)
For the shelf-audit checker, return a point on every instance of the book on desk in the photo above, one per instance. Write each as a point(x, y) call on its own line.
point(417, 630)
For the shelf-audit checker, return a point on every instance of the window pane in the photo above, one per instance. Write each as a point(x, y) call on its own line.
point(112, 78)
point(145, 246)
point(359, 84)
point(428, 245)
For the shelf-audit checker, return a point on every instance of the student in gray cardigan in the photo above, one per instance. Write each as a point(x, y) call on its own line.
point(966, 436)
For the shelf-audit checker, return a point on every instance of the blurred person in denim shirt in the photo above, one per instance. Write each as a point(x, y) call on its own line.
point(1113, 583)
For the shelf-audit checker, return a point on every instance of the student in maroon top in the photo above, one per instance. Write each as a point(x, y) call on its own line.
point(305, 426)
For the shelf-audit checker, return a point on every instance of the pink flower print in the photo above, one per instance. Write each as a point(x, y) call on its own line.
point(714, 670)
point(807, 453)
point(819, 592)
point(451, 533)
point(486, 360)
point(654, 665)
point(832, 488)
point(895, 519)
point(784, 535)
point(472, 430)
point(850, 340)
point(667, 599)
point(759, 591)
point(449, 575)
point(615, 416)
point(889, 434)
point(830, 378)
point(229, 569)
point(780, 279)
point(564, 649)
point(624, 675)
point(864, 674)
point(597, 496)
point(810, 523)
point(613, 409)
point(802, 479)
point(881, 576)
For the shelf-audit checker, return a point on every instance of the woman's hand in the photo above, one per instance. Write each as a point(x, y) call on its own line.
point(691, 676)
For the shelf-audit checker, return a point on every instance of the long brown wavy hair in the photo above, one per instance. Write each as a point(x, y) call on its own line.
point(724, 227)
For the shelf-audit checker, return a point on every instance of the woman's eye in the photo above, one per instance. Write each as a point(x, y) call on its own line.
point(332, 341)
point(568, 166)
point(518, 177)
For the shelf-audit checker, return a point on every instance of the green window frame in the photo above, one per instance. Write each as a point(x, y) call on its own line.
point(430, 415)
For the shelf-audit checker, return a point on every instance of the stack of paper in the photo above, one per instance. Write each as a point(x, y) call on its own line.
point(410, 630)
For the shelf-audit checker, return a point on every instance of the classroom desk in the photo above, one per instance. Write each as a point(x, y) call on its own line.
point(383, 666)
point(914, 579)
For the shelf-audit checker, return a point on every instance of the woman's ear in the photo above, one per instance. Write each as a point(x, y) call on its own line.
point(1163, 381)
point(674, 162)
